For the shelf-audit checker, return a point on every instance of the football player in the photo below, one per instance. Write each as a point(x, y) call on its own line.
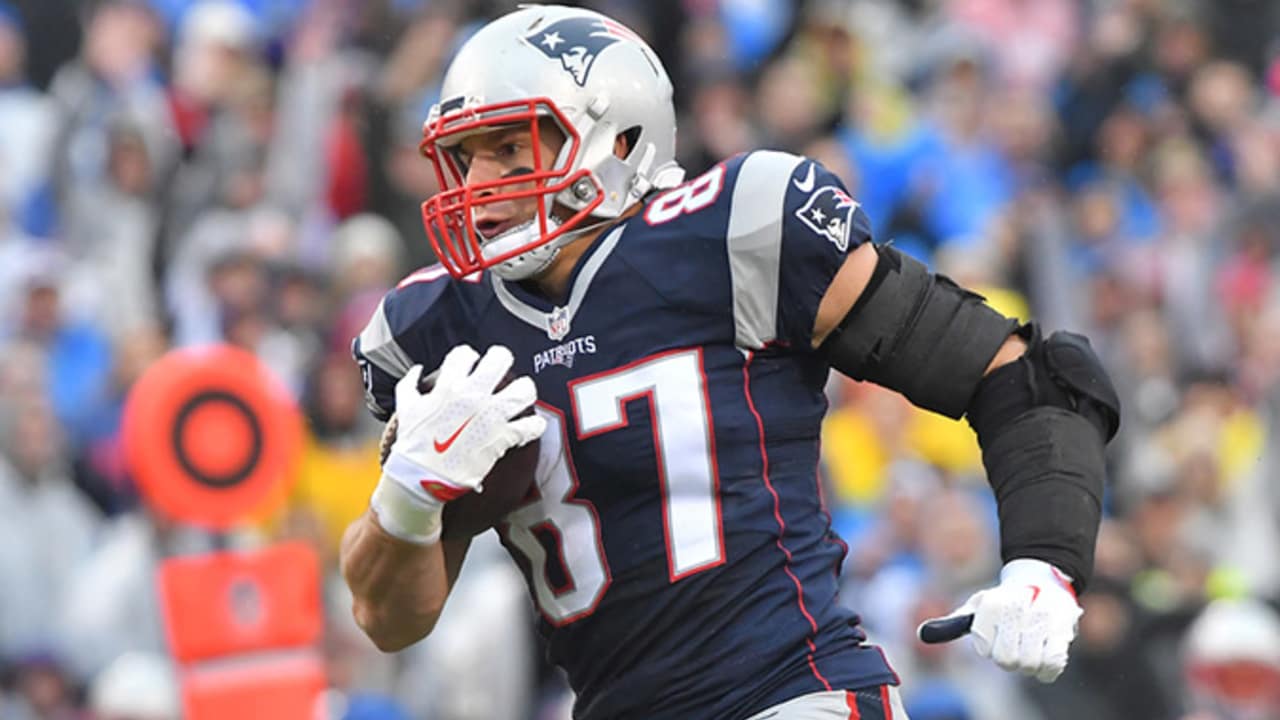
point(677, 336)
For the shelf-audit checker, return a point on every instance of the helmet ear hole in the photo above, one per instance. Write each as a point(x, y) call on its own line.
point(630, 136)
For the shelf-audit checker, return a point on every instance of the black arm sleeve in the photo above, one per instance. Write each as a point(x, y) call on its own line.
point(1043, 421)
point(918, 333)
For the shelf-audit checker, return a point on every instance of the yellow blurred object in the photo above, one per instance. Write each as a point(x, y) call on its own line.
point(949, 444)
point(854, 455)
point(889, 114)
point(1006, 302)
point(1241, 442)
point(1226, 583)
point(335, 482)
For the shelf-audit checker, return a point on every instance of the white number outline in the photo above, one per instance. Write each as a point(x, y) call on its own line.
point(570, 584)
point(690, 197)
point(431, 273)
point(539, 517)
point(650, 392)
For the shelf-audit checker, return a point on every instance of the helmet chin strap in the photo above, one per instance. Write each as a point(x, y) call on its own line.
point(528, 264)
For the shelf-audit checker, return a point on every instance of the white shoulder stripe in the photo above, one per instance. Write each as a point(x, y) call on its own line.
point(755, 244)
point(378, 344)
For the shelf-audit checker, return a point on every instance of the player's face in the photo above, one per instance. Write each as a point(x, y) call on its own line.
point(505, 153)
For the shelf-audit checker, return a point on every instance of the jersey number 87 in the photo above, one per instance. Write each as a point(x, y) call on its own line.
point(674, 385)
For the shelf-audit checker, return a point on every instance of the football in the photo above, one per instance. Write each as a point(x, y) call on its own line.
point(505, 487)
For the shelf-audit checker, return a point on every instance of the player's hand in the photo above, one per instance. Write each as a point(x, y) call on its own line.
point(448, 439)
point(1026, 623)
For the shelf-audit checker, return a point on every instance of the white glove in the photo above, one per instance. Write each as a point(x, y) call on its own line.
point(1027, 622)
point(449, 438)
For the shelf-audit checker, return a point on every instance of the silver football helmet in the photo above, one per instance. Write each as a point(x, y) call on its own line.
point(596, 80)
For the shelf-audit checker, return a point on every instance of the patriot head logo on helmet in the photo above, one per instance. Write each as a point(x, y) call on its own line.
point(576, 42)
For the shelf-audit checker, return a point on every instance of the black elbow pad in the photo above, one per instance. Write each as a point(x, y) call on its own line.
point(1062, 372)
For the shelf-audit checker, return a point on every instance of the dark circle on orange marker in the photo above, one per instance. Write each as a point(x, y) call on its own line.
point(216, 461)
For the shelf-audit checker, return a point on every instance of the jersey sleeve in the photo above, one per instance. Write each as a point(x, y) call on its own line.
point(412, 325)
point(791, 225)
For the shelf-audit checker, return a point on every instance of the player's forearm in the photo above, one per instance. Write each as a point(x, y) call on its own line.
point(399, 588)
point(1013, 348)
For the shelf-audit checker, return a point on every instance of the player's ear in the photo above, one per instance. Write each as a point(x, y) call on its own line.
point(625, 141)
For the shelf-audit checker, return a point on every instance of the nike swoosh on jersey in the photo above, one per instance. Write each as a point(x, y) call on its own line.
point(807, 184)
point(442, 446)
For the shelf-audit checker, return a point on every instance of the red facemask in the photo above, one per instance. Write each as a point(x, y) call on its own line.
point(449, 216)
point(1243, 684)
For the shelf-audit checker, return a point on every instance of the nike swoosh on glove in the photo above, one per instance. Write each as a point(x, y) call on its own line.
point(1027, 622)
point(449, 439)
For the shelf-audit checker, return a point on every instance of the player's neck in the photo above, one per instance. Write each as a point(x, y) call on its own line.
point(553, 283)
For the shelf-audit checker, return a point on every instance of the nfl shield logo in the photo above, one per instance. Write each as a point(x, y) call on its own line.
point(558, 323)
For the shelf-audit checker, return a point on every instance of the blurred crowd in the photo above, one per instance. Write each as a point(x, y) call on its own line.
point(182, 172)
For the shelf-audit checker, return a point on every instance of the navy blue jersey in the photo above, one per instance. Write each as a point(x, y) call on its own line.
point(678, 551)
